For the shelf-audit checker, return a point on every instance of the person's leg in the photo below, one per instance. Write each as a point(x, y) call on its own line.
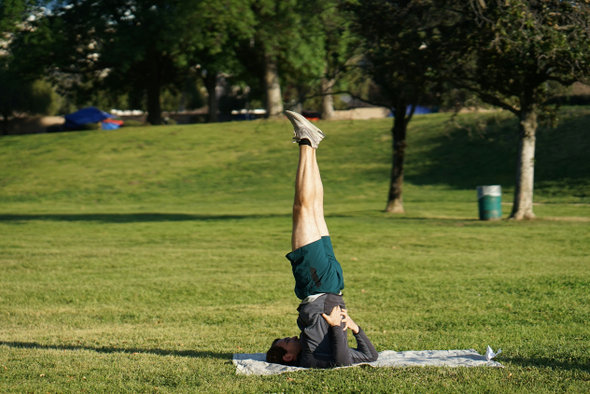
point(337, 277)
point(305, 222)
point(314, 266)
point(319, 202)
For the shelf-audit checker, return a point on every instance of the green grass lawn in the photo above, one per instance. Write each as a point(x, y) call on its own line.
point(140, 260)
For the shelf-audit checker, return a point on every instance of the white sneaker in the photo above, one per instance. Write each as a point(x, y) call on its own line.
point(304, 129)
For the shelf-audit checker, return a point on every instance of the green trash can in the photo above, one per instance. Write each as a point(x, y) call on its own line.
point(489, 200)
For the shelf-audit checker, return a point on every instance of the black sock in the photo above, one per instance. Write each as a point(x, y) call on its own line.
point(304, 141)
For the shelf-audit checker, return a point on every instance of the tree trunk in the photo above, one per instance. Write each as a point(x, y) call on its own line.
point(182, 104)
point(274, 102)
point(154, 85)
point(327, 99)
point(211, 86)
point(525, 169)
point(395, 202)
point(4, 126)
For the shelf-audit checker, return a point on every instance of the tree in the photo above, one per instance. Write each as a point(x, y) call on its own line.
point(13, 13)
point(138, 47)
point(339, 45)
point(121, 45)
point(401, 64)
point(212, 60)
point(286, 38)
point(21, 91)
point(506, 51)
point(24, 96)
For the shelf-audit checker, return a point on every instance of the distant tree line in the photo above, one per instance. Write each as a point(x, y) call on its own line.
point(132, 52)
point(277, 53)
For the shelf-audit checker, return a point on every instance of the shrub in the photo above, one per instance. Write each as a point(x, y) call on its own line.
point(134, 123)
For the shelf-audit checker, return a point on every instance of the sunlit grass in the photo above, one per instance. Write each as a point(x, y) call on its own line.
point(141, 260)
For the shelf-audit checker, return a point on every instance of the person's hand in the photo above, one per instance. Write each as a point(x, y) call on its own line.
point(335, 317)
point(349, 322)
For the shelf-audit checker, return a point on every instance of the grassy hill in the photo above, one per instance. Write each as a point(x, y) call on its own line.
point(226, 164)
point(140, 260)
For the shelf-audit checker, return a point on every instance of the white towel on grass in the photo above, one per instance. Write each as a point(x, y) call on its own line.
point(255, 363)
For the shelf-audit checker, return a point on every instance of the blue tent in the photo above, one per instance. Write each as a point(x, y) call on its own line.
point(420, 110)
point(84, 116)
point(109, 126)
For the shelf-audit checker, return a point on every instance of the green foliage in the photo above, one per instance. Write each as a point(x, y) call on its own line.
point(402, 56)
point(136, 49)
point(140, 261)
point(25, 97)
point(510, 49)
point(507, 52)
point(88, 126)
point(102, 98)
point(291, 34)
point(331, 26)
point(186, 97)
point(401, 50)
point(133, 123)
point(288, 31)
point(23, 90)
point(13, 13)
point(193, 97)
point(170, 100)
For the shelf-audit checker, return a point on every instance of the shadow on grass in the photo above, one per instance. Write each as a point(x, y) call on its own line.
point(401, 217)
point(546, 362)
point(179, 217)
point(131, 217)
point(160, 352)
point(482, 150)
point(478, 151)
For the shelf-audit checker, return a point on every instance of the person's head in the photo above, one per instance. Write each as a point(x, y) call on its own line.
point(284, 351)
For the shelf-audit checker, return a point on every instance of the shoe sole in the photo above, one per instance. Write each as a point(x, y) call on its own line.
point(304, 129)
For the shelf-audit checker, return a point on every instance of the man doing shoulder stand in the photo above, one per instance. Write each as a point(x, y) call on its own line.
point(323, 319)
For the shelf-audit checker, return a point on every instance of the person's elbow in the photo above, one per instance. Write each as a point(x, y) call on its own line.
point(374, 355)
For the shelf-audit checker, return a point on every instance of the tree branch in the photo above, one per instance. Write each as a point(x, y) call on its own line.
point(486, 96)
point(354, 96)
